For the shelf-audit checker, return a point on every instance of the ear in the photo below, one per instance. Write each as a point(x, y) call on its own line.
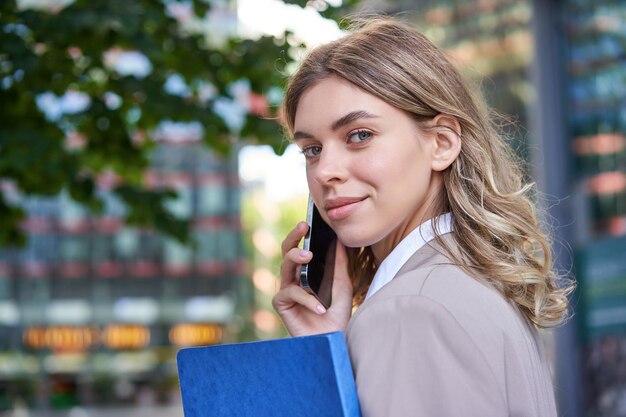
point(446, 130)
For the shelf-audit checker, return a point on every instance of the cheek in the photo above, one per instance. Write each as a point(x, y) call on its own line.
point(314, 188)
point(373, 167)
point(388, 168)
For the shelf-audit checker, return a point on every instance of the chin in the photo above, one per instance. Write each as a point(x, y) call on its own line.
point(357, 240)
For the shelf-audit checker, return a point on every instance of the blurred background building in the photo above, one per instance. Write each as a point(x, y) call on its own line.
point(92, 312)
point(594, 109)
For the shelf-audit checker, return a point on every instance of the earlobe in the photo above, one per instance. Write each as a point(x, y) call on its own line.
point(447, 141)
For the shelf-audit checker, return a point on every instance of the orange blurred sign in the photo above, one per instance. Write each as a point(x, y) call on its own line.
point(195, 334)
point(125, 336)
point(62, 338)
point(116, 336)
point(81, 338)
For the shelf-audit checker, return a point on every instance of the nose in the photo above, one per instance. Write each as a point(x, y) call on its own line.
point(331, 167)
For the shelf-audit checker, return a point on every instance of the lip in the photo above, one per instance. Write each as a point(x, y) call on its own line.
point(340, 208)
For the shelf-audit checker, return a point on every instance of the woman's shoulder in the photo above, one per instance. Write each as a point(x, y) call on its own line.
point(437, 315)
point(440, 293)
point(458, 291)
point(431, 274)
point(451, 288)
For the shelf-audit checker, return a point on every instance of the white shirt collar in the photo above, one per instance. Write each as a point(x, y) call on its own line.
point(421, 235)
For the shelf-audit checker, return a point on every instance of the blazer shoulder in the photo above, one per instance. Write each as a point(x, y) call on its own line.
point(446, 283)
point(475, 305)
point(440, 280)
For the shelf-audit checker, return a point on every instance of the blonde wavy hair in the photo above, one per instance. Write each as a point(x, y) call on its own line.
point(495, 220)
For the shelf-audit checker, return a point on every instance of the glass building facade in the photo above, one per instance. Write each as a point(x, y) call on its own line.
point(596, 36)
point(595, 69)
point(93, 311)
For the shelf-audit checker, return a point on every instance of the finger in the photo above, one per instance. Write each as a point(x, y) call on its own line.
point(287, 297)
point(289, 269)
point(292, 240)
point(342, 284)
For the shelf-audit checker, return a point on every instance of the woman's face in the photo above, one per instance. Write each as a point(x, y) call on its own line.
point(368, 165)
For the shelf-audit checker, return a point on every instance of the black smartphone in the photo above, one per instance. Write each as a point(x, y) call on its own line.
point(317, 276)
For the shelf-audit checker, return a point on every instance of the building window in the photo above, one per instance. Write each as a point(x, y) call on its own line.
point(69, 288)
point(182, 206)
point(207, 161)
point(207, 245)
point(126, 243)
point(212, 199)
point(5, 289)
point(71, 216)
point(136, 288)
point(174, 158)
point(103, 248)
point(113, 205)
point(177, 258)
point(228, 247)
point(74, 248)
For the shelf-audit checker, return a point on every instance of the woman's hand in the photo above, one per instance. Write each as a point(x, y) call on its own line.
point(300, 311)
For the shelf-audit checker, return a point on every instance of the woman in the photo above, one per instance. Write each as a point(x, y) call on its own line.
point(439, 249)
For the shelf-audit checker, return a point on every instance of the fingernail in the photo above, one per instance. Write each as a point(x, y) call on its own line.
point(320, 309)
point(304, 253)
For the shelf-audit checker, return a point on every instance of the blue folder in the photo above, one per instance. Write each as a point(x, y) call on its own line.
point(299, 376)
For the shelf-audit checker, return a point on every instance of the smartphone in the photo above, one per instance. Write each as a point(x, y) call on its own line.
point(317, 276)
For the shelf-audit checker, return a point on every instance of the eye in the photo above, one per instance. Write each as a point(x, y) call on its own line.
point(359, 136)
point(311, 151)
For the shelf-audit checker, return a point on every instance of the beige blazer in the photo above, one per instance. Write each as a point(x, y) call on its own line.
point(435, 342)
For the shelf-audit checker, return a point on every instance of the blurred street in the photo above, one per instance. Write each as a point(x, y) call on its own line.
point(167, 411)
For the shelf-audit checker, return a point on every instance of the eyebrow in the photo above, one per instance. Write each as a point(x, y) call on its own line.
point(339, 123)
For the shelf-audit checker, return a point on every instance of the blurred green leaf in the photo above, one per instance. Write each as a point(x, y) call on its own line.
point(46, 54)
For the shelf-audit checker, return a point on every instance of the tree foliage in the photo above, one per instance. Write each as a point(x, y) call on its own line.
point(53, 55)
